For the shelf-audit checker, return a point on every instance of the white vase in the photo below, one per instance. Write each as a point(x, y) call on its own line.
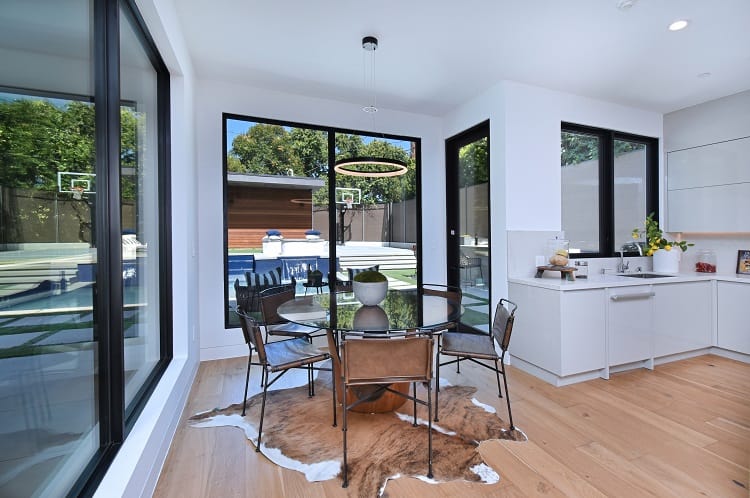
point(370, 293)
point(667, 261)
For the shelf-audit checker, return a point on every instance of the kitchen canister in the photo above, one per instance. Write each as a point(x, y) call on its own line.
point(706, 261)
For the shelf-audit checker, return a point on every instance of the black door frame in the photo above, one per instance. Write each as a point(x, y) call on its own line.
point(452, 209)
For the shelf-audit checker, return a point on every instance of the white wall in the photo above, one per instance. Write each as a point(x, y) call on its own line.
point(215, 97)
point(526, 177)
point(136, 468)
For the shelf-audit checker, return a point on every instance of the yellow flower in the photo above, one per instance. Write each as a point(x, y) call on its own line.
point(636, 236)
point(667, 247)
point(650, 252)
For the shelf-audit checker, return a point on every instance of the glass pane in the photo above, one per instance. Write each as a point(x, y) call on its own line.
point(579, 154)
point(474, 199)
point(630, 192)
point(276, 209)
point(139, 177)
point(49, 424)
point(376, 214)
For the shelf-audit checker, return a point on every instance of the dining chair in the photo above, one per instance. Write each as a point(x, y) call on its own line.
point(381, 362)
point(450, 292)
point(480, 348)
point(279, 357)
point(468, 264)
point(270, 300)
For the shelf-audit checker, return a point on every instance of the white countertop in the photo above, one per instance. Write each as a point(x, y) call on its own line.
point(552, 280)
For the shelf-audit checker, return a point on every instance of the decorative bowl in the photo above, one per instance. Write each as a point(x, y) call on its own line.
point(370, 293)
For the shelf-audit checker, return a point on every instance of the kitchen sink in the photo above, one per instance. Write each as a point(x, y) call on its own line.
point(645, 275)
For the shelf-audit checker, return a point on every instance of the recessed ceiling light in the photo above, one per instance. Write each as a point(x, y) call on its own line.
point(678, 25)
point(704, 75)
point(625, 4)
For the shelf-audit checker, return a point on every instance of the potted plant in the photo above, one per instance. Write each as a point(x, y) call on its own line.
point(370, 287)
point(666, 257)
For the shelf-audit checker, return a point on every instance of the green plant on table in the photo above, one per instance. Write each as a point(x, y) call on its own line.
point(655, 237)
point(370, 276)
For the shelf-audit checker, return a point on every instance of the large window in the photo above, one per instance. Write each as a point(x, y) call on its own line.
point(609, 185)
point(287, 211)
point(84, 267)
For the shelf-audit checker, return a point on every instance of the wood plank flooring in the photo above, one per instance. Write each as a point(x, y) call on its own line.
point(681, 430)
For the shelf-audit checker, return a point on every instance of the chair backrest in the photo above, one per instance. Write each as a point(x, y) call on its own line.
point(450, 292)
point(271, 299)
point(384, 361)
point(502, 325)
point(264, 280)
point(354, 271)
point(243, 296)
point(252, 333)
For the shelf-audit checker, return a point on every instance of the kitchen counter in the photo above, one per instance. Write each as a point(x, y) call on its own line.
point(589, 328)
point(604, 281)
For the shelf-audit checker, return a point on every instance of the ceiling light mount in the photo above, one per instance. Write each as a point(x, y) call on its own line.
point(370, 43)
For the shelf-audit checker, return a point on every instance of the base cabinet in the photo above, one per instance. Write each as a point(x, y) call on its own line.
point(559, 332)
point(682, 317)
point(629, 324)
point(733, 318)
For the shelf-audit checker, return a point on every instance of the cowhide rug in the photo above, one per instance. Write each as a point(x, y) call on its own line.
point(298, 434)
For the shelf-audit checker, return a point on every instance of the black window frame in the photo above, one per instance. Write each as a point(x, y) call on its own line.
point(606, 206)
point(331, 131)
point(115, 418)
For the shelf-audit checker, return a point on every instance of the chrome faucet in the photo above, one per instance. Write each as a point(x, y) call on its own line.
point(623, 265)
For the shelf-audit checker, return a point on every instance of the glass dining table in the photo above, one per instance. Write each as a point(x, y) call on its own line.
point(406, 310)
point(402, 310)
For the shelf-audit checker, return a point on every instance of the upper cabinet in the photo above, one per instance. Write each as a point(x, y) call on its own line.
point(708, 188)
point(708, 166)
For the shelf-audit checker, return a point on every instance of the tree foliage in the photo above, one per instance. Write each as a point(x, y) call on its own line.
point(267, 149)
point(473, 163)
point(38, 139)
point(577, 148)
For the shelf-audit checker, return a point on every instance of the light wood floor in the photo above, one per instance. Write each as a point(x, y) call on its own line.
point(681, 430)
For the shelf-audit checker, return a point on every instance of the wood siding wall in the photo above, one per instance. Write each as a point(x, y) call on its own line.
point(251, 211)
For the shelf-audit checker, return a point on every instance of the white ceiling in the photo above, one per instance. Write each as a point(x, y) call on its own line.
point(436, 54)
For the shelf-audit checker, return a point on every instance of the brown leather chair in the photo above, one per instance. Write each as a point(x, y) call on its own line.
point(381, 362)
point(476, 347)
point(279, 357)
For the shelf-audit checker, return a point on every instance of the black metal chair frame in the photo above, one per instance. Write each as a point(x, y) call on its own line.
point(270, 299)
point(383, 382)
point(502, 327)
point(297, 352)
point(468, 263)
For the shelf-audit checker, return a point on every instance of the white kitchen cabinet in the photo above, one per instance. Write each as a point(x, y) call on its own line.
point(629, 324)
point(560, 332)
point(733, 317)
point(682, 317)
point(708, 187)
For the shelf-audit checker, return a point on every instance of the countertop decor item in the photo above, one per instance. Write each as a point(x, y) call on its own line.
point(743, 262)
point(655, 238)
point(370, 287)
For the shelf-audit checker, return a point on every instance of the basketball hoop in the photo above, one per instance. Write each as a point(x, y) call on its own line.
point(77, 193)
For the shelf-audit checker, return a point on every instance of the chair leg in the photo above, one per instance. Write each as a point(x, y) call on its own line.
point(343, 429)
point(414, 390)
point(333, 381)
point(247, 381)
point(507, 399)
point(429, 429)
point(497, 373)
point(458, 364)
point(437, 380)
point(262, 412)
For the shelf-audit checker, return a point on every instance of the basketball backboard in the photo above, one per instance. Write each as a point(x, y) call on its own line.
point(348, 196)
point(76, 183)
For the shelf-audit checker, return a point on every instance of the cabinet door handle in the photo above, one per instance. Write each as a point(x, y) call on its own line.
point(635, 295)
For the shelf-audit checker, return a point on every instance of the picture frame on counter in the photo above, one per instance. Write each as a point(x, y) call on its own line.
point(743, 262)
